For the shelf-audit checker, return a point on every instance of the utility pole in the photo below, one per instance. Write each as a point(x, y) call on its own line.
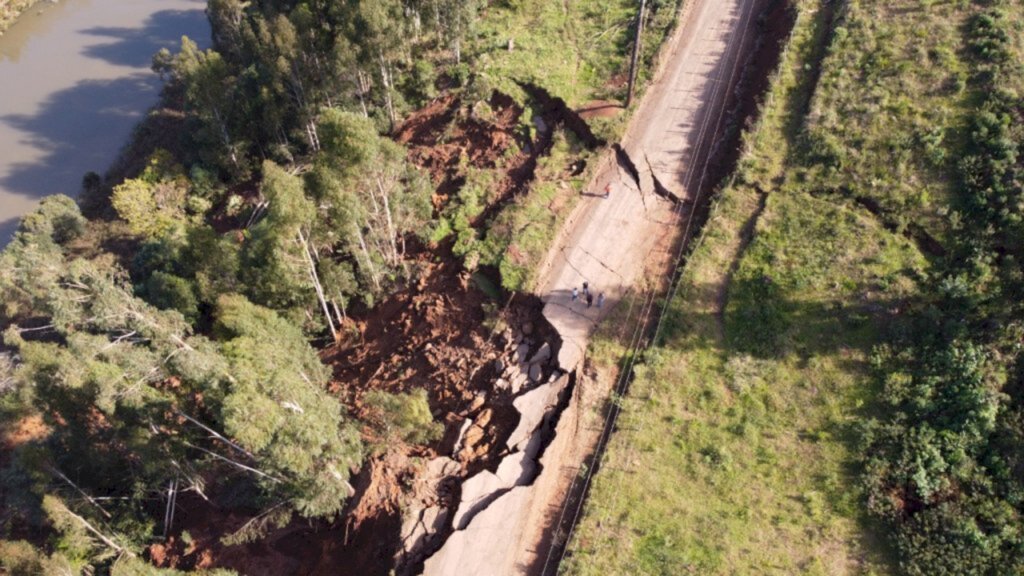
point(636, 52)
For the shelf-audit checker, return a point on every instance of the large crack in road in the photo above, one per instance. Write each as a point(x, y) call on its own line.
point(507, 525)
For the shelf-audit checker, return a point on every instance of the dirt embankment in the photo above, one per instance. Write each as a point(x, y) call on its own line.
point(433, 335)
point(445, 137)
point(448, 136)
point(774, 25)
point(498, 392)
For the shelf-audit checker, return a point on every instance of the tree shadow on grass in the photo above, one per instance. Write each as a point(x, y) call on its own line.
point(769, 324)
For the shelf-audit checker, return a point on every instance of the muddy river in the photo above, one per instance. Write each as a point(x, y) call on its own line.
point(74, 81)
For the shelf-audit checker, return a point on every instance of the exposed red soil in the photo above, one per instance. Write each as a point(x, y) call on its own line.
point(447, 136)
point(12, 436)
point(431, 334)
point(286, 551)
point(24, 430)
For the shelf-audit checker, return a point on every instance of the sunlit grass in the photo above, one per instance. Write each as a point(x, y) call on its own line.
point(735, 451)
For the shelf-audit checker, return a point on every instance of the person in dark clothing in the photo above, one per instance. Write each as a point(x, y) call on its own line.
point(586, 289)
point(590, 300)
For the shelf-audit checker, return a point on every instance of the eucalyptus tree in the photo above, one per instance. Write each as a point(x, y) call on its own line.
point(210, 89)
point(136, 407)
point(370, 193)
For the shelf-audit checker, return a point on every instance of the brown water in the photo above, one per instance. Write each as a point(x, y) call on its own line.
point(74, 81)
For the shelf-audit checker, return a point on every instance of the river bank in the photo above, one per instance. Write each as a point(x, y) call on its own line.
point(77, 81)
point(10, 10)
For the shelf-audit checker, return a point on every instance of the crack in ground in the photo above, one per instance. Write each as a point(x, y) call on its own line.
point(574, 311)
point(598, 260)
point(545, 433)
point(914, 232)
point(659, 188)
point(627, 184)
point(571, 265)
point(566, 116)
point(626, 163)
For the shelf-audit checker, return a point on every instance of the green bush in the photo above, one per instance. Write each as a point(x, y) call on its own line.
point(403, 417)
point(170, 292)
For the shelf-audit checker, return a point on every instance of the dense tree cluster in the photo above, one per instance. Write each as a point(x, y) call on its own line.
point(191, 364)
point(294, 95)
point(276, 66)
point(944, 468)
point(134, 404)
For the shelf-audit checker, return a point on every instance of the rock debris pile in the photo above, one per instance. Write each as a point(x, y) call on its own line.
point(528, 379)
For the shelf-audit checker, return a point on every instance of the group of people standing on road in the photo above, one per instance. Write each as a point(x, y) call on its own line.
point(587, 295)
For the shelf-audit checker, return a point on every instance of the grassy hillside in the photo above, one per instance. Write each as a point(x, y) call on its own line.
point(576, 51)
point(741, 445)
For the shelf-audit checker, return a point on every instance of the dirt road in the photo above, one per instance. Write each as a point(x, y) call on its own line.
point(610, 243)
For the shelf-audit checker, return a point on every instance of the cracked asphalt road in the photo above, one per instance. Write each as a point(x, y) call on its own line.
point(613, 243)
point(610, 243)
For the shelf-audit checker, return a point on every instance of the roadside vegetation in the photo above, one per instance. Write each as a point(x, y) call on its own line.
point(576, 52)
point(171, 342)
point(836, 388)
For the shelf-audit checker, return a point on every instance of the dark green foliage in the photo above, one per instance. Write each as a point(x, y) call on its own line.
point(276, 66)
point(125, 389)
point(153, 256)
point(403, 418)
point(759, 323)
point(420, 82)
point(943, 466)
point(212, 262)
point(273, 265)
point(370, 197)
point(976, 535)
point(989, 37)
point(169, 292)
point(33, 260)
point(57, 217)
point(991, 171)
point(277, 408)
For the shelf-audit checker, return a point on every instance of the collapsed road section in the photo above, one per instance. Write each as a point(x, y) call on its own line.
point(609, 245)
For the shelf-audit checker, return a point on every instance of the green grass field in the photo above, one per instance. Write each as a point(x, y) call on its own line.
point(736, 449)
point(575, 50)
